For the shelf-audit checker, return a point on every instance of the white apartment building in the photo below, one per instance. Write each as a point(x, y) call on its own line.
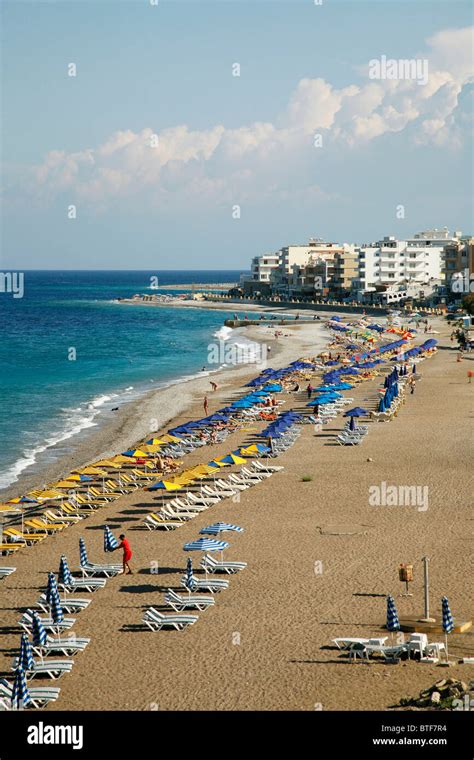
point(293, 259)
point(262, 266)
point(415, 265)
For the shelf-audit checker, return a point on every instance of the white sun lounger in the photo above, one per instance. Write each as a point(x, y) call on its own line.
point(345, 643)
point(156, 620)
point(84, 584)
point(68, 646)
point(90, 569)
point(26, 622)
point(6, 571)
point(52, 668)
point(39, 695)
point(153, 522)
point(188, 601)
point(69, 605)
point(215, 566)
point(213, 585)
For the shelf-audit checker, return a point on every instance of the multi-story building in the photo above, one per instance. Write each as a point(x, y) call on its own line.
point(458, 267)
point(262, 267)
point(415, 265)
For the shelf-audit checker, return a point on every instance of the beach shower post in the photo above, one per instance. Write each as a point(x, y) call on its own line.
point(426, 617)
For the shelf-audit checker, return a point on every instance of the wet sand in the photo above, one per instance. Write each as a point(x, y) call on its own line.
point(266, 644)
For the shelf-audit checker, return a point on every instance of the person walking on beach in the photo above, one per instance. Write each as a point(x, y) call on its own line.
point(309, 390)
point(206, 406)
point(127, 553)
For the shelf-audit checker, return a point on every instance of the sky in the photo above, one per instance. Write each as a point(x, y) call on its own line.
point(155, 155)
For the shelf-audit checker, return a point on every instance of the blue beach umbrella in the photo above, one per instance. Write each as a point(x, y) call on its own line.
point(64, 574)
point(20, 695)
point(448, 621)
point(56, 609)
point(220, 527)
point(189, 581)
point(40, 636)
point(393, 623)
point(83, 553)
point(25, 658)
point(51, 588)
point(357, 411)
point(110, 542)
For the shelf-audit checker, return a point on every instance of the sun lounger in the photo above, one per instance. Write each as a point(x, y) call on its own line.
point(9, 548)
point(156, 620)
point(26, 622)
point(51, 516)
point(187, 601)
point(155, 522)
point(40, 525)
point(6, 571)
point(49, 667)
point(345, 643)
point(40, 696)
point(257, 465)
point(83, 584)
point(213, 585)
point(24, 538)
point(68, 605)
point(212, 565)
point(68, 646)
point(90, 569)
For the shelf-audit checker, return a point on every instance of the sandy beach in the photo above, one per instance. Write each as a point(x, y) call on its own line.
point(320, 561)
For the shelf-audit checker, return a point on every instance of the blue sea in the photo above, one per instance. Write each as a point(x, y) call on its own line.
point(70, 353)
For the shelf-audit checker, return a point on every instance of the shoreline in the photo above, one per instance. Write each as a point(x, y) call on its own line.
point(152, 410)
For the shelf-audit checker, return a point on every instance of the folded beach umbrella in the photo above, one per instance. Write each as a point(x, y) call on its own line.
point(83, 560)
point(220, 527)
point(189, 580)
point(393, 623)
point(51, 588)
point(25, 658)
point(448, 621)
point(56, 609)
point(40, 636)
point(20, 695)
point(64, 573)
point(110, 542)
point(381, 407)
point(205, 545)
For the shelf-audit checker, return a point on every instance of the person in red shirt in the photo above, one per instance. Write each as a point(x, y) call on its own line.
point(127, 553)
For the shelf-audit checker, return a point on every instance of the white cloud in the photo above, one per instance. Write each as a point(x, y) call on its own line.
point(222, 165)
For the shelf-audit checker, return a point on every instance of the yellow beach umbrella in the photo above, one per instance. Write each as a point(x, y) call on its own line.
point(91, 471)
point(157, 441)
point(64, 484)
point(49, 494)
point(107, 463)
point(168, 438)
point(151, 448)
point(120, 459)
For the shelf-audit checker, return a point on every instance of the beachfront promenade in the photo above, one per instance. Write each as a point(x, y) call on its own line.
point(320, 561)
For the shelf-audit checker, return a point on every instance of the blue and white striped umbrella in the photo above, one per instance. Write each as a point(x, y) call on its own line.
point(64, 573)
point(25, 658)
point(393, 623)
point(110, 542)
point(219, 527)
point(56, 609)
point(20, 694)
point(83, 553)
point(51, 588)
point(448, 621)
point(189, 577)
point(39, 632)
point(205, 545)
